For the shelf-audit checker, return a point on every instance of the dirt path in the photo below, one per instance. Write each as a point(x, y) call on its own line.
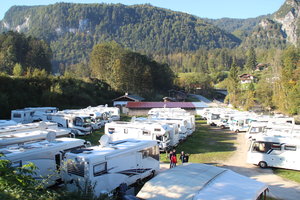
point(279, 187)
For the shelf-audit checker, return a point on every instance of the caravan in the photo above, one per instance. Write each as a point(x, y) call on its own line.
point(31, 114)
point(46, 155)
point(281, 152)
point(146, 131)
point(23, 133)
point(110, 166)
point(79, 124)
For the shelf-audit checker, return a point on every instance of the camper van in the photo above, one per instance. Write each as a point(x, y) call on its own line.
point(281, 152)
point(146, 131)
point(97, 120)
point(79, 124)
point(46, 155)
point(213, 119)
point(22, 133)
point(107, 167)
point(31, 114)
point(4, 123)
point(241, 124)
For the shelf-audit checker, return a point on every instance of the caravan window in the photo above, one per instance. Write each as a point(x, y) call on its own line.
point(157, 129)
point(146, 133)
point(152, 152)
point(100, 169)
point(261, 147)
point(78, 121)
point(276, 146)
point(125, 130)
point(17, 115)
point(290, 148)
point(76, 168)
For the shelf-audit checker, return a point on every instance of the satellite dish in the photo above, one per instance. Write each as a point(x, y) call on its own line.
point(51, 136)
point(133, 119)
point(104, 140)
point(43, 125)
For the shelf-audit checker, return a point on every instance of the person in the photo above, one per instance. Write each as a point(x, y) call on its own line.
point(173, 158)
point(182, 157)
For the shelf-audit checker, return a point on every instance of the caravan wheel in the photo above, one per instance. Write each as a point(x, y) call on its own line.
point(237, 131)
point(262, 164)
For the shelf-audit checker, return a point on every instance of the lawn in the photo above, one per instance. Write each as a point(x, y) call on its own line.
point(206, 145)
point(288, 174)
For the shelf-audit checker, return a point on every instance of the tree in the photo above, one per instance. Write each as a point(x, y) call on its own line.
point(233, 85)
point(17, 71)
point(251, 61)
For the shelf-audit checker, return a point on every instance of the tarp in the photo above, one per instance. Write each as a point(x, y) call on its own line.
point(199, 182)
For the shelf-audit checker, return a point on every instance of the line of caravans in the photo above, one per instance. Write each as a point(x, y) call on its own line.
point(273, 140)
point(79, 121)
point(168, 127)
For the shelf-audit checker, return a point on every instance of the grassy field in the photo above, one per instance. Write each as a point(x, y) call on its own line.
point(288, 174)
point(206, 145)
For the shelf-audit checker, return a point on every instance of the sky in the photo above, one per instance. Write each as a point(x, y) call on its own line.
point(213, 9)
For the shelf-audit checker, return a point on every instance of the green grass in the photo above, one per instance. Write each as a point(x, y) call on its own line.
point(288, 174)
point(206, 145)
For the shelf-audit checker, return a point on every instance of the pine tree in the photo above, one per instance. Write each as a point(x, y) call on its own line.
point(251, 61)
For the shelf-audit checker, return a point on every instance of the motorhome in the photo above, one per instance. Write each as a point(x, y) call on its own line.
point(213, 119)
point(280, 152)
point(4, 123)
point(46, 155)
point(202, 182)
point(176, 130)
point(31, 114)
point(79, 124)
point(97, 119)
point(147, 131)
point(108, 167)
point(241, 124)
point(180, 130)
point(19, 134)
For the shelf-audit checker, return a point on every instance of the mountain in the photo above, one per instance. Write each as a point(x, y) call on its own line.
point(239, 27)
point(280, 29)
point(73, 29)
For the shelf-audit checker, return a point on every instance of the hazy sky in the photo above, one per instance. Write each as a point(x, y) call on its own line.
point(201, 8)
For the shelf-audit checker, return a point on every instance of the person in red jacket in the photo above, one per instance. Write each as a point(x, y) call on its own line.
point(173, 158)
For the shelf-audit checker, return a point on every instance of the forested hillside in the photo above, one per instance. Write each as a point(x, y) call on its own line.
point(73, 29)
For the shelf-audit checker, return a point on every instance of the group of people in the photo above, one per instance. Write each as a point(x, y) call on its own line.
point(173, 158)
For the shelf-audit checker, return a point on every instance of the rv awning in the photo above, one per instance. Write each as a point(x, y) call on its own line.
point(200, 182)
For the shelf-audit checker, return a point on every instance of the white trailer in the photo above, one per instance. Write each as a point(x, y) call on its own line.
point(281, 152)
point(108, 167)
point(202, 182)
point(46, 155)
point(179, 129)
point(31, 114)
point(19, 134)
point(146, 131)
point(79, 124)
point(213, 119)
point(97, 119)
point(4, 122)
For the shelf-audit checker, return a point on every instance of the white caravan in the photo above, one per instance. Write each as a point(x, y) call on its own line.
point(213, 119)
point(21, 133)
point(31, 114)
point(179, 129)
point(97, 120)
point(241, 124)
point(79, 124)
point(110, 166)
point(145, 131)
point(281, 152)
point(4, 122)
point(177, 132)
point(192, 181)
point(46, 155)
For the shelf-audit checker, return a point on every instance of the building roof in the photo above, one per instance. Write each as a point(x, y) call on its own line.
point(191, 105)
point(130, 96)
point(199, 182)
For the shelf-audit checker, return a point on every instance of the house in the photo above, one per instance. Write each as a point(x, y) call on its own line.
point(142, 108)
point(261, 67)
point(122, 101)
point(246, 78)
